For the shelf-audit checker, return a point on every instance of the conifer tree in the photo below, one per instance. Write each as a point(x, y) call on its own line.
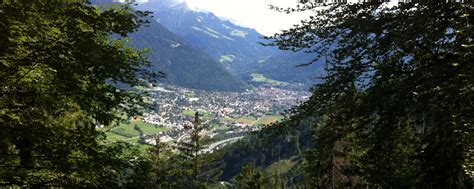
point(410, 69)
point(251, 177)
point(191, 151)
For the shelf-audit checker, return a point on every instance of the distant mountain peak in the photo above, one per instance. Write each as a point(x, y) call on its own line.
point(166, 4)
point(182, 5)
point(184, 64)
point(236, 47)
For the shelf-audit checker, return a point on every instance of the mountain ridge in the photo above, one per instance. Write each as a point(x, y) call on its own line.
point(235, 46)
point(184, 64)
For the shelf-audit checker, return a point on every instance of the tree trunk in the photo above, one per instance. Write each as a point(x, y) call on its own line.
point(25, 147)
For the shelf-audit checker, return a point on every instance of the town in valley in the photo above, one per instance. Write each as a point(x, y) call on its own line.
point(227, 116)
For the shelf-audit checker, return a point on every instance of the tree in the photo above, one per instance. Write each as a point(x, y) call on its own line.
point(332, 163)
point(160, 168)
point(190, 153)
point(251, 177)
point(60, 68)
point(411, 69)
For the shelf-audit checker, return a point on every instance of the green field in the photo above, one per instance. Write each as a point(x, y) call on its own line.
point(268, 119)
point(125, 131)
point(260, 78)
point(134, 140)
point(151, 129)
point(222, 128)
point(114, 137)
point(202, 115)
point(246, 120)
point(189, 112)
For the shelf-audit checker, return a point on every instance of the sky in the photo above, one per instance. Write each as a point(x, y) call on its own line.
point(252, 13)
point(249, 13)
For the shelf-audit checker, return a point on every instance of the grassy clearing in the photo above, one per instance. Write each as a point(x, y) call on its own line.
point(114, 137)
point(222, 128)
point(127, 130)
point(227, 58)
point(260, 78)
point(189, 112)
point(152, 129)
point(231, 119)
point(268, 119)
point(202, 115)
point(147, 128)
point(280, 167)
point(249, 120)
point(132, 140)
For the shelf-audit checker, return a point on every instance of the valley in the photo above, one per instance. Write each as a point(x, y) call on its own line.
point(189, 94)
point(225, 114)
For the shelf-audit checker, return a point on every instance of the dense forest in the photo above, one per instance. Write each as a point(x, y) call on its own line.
point(183, 65)
point(394, 108)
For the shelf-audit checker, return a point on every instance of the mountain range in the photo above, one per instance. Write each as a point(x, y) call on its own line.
point(197, 49)
point(237, 48)
point(184, 64)
point(230, 44)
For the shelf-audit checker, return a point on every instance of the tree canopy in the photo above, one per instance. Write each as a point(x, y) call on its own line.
point(395, 108)
point(61, 65)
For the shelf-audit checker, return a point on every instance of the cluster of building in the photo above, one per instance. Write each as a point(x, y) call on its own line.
point(172, 107)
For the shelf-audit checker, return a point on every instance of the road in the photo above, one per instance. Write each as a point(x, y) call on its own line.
point(218, 143)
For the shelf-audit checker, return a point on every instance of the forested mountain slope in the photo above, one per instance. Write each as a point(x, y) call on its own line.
point(183, 64)
point(236, 47)
point(284, 141)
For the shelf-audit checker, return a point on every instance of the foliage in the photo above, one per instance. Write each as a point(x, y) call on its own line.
point(251, 177)
point(60, 66)
point(280, 141)
point(395, 109)
point(194, 168)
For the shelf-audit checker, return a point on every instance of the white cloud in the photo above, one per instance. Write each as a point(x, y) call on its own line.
point(252, 13)
point(256, 13)
point(136, 1)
